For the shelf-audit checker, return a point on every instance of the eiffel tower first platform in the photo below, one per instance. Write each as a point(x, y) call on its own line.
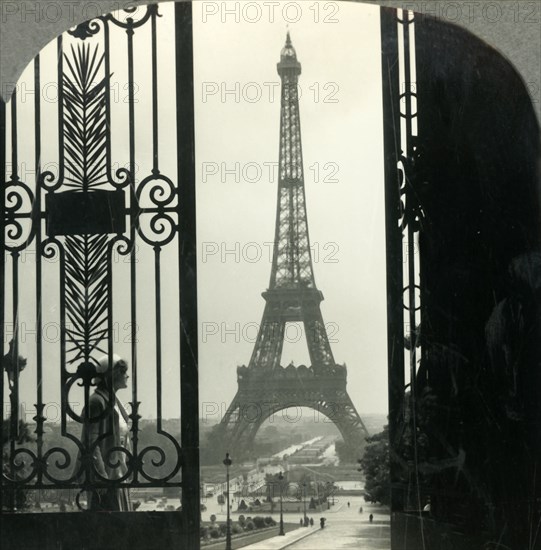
point(265, 387)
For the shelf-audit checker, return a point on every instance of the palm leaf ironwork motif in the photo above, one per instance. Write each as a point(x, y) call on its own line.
point(85, 122)
point(86, 294)
point(85, 148)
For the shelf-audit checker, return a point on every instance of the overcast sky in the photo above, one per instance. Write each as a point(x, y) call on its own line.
point(237, 97)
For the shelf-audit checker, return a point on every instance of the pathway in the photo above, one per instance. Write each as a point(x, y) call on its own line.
point(344, 529)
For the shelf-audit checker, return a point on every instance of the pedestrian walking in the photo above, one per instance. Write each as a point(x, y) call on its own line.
point(302, 522)
point(322, 523)
point(371, 517)
point(361, 510)
point(311, 522)
point(349, 504)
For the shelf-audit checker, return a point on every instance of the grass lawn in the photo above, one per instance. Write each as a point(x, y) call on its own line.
point(243, 539)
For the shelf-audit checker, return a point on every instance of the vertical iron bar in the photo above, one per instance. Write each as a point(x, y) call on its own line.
point(157, 250)
point(62, 313)
point(14, 389)
point(394, 250)
point(110, 339)
point(157, 299)
point(60, 57)
point(110, 329)
point(2, 268)
point(187, 250)
point(409, 152)
point(155, 167)
point(134, 215)
point(14, 394)
point(14, 152)
point(411, 230)
point(107, 95)
point(37, 220)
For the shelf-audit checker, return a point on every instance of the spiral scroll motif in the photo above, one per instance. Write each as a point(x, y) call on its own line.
point(157, 222)
point(19, 215)
point(131, 22)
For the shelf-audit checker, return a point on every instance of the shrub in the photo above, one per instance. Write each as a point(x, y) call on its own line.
point(269, 521)
point(243, 505)
point(204, 532)
point(250, 526)
point(223, 528)
point(259, 522)
point(236, 529)
point(215, 533)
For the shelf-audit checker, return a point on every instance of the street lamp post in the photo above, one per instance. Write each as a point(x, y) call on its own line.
point(317, 491)
point(281, 478)
point(304, 501)
point(227, 462)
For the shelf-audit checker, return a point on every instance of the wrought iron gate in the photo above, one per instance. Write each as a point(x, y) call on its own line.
point(99, 244)
point(472, 363)
point(403, 222)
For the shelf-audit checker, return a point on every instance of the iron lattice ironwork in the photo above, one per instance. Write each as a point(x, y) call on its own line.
point(81, 219)
point(265, 387)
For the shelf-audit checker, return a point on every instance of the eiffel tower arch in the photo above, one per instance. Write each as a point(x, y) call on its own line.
point(264, 386)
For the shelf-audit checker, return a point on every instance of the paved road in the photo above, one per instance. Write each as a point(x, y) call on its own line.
point(348, 529)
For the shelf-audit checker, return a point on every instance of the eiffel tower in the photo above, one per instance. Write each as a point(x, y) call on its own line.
point(265, 387)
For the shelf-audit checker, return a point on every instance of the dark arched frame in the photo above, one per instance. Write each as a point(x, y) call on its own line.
point(468, 179)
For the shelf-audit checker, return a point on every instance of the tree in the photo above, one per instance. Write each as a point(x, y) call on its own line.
point(375, 466)
point(346, 453)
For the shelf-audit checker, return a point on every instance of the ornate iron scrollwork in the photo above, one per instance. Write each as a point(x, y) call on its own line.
point(81, 217)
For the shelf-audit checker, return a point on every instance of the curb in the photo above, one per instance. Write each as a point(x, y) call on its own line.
point(295, 541)
point(289, 543)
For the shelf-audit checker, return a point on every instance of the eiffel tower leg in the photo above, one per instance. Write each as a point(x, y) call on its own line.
point(238, 428)
point(316, 338)
point(352, 417)
point(341, 411)
point(251, 432)
point(270, 341)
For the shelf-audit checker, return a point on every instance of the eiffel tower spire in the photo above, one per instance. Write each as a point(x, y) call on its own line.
point(292, 261)
point(292, 296)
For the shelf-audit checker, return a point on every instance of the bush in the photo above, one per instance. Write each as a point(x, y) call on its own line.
point(243, 505)
point(236, 529)
point(214, 533)
point(259, 522)
point(204, 532)
point(250, 526)
point(223, 528)
point(242, 519)
point(269, 521)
